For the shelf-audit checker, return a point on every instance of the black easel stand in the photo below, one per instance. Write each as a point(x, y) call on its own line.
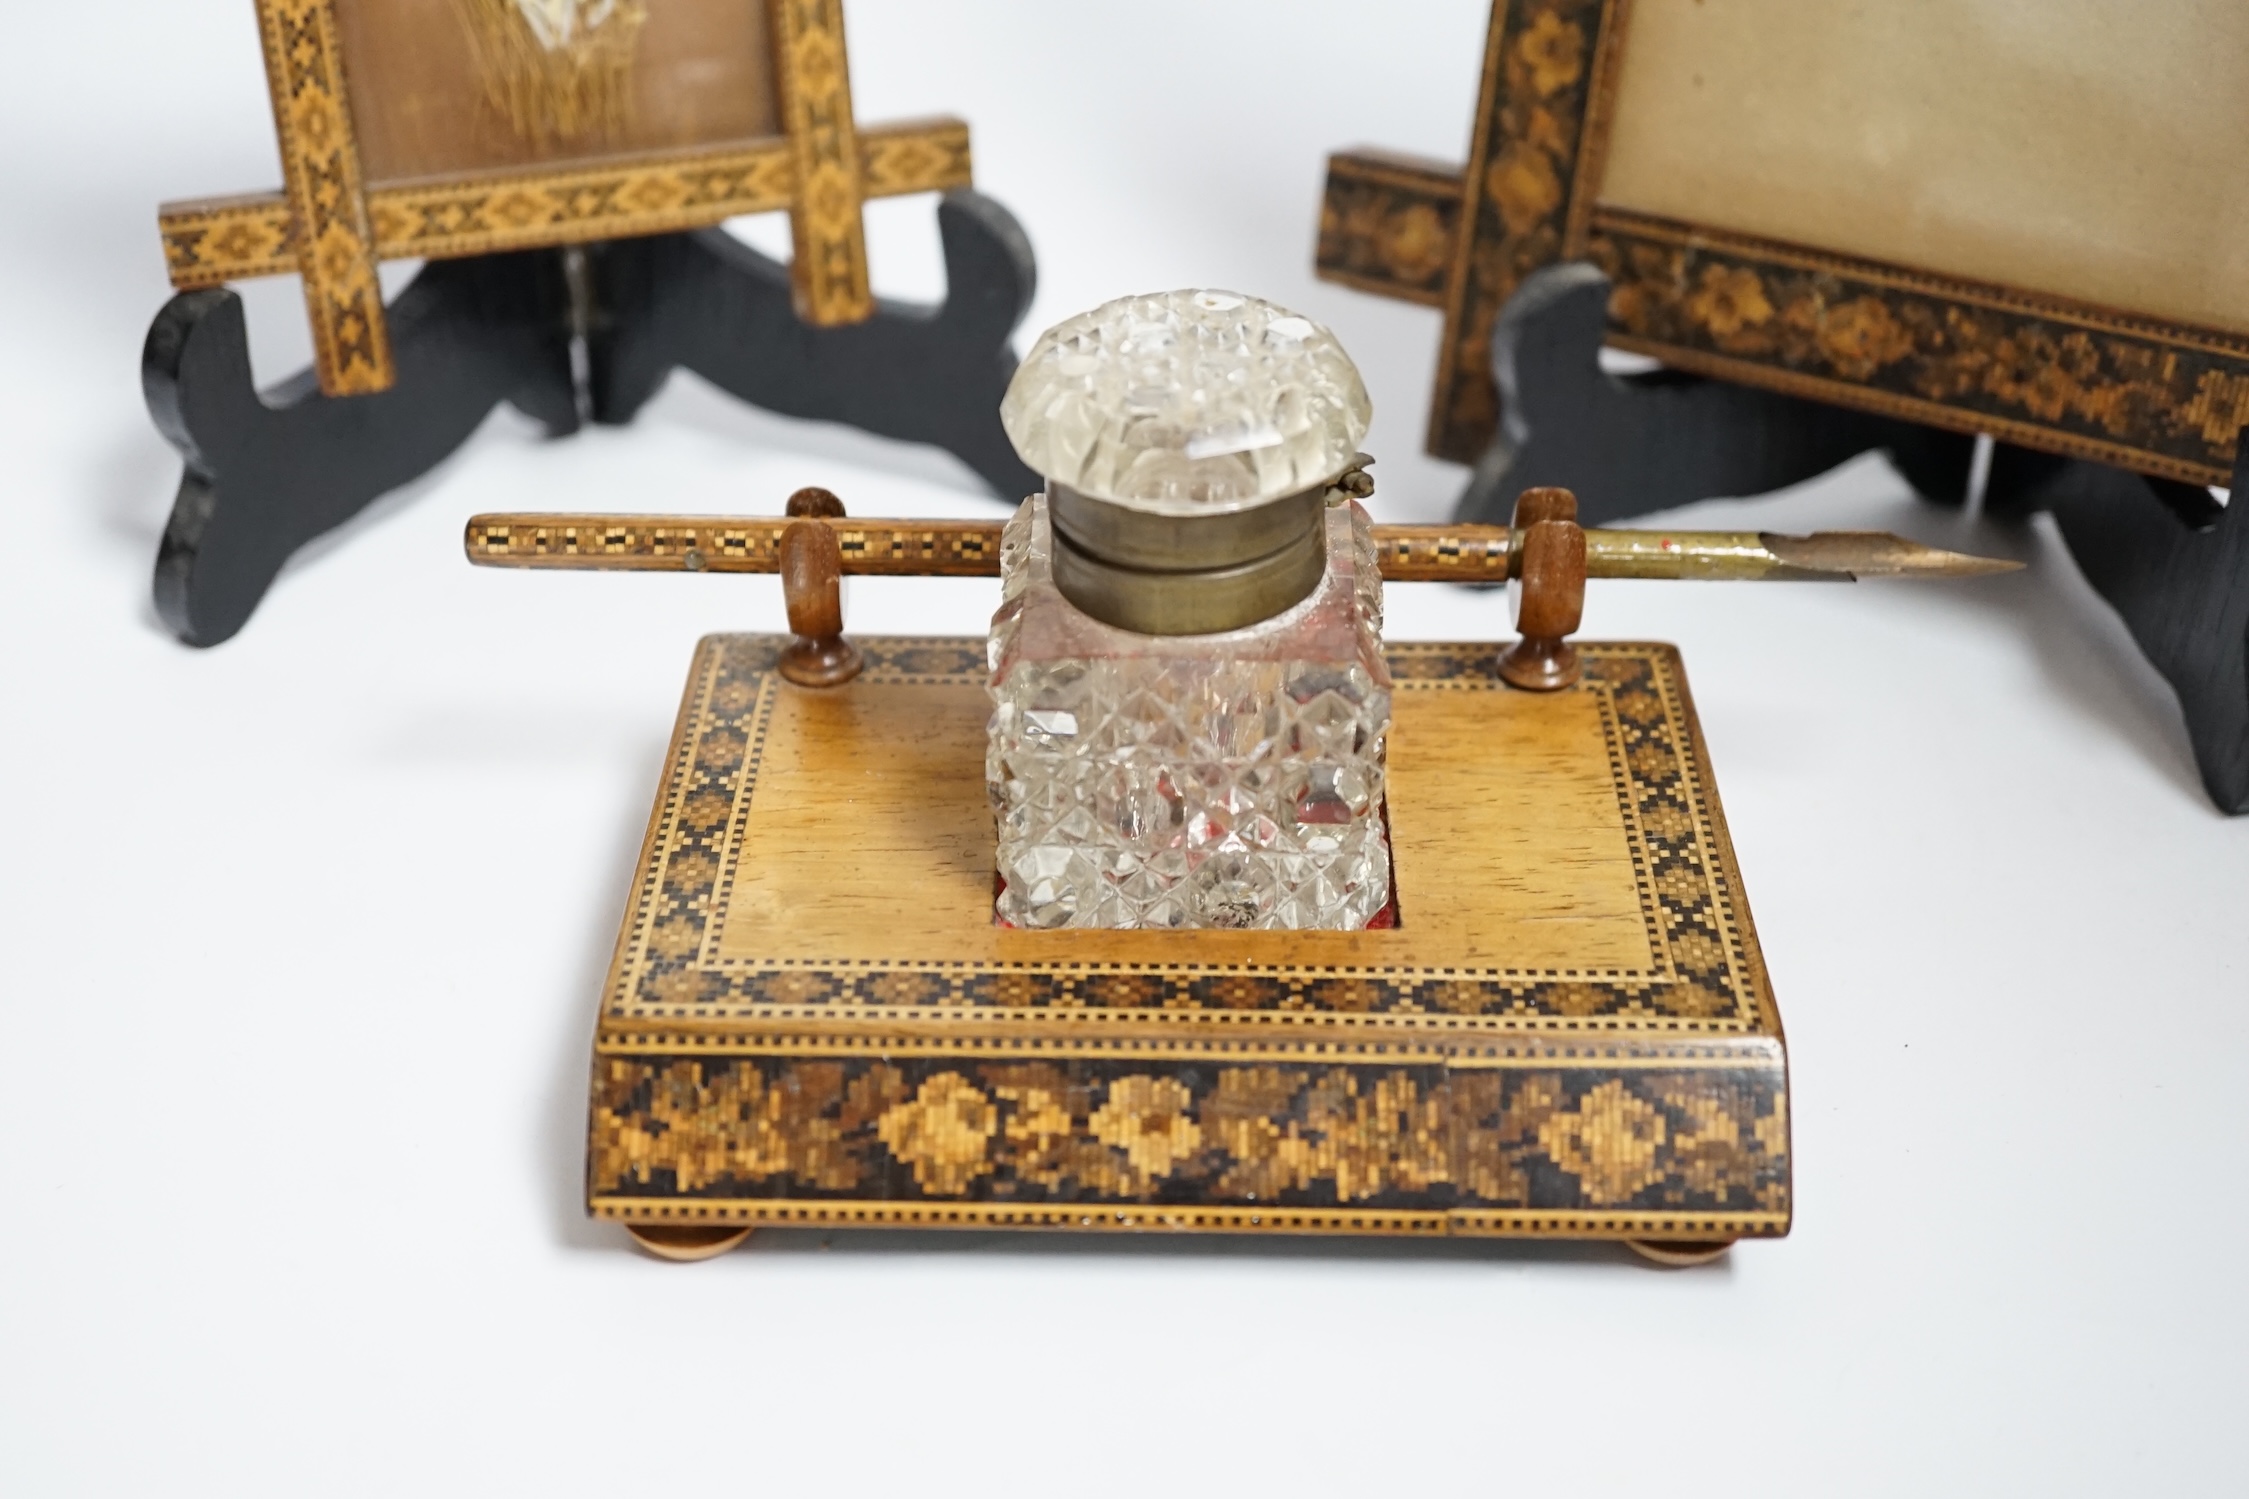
point(264, 474)
point(2166, 556)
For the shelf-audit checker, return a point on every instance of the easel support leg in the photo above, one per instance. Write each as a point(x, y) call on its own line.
point(709, 303)
point(264, 474)
point(2174, 563)
point(1630, 445)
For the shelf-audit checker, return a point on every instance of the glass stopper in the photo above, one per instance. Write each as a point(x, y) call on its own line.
point(1187, 403)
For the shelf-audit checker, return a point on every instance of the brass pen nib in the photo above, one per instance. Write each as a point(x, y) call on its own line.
point(1877, 554)
point(1767, 556)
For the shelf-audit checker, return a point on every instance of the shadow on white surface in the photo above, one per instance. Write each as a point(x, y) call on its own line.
point(1048, 1244)
point(2087, 652)
point(2084, 652)
point(129, 493)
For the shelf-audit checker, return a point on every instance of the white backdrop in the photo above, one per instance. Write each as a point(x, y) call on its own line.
point(303, 933)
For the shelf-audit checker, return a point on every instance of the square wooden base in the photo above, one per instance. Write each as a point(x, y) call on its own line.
point(812, 1018)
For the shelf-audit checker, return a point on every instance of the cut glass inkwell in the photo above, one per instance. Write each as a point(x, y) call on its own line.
point(1190, 700)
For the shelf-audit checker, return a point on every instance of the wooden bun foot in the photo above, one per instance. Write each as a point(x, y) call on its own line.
point(685, 1243)
point(1678, 1254)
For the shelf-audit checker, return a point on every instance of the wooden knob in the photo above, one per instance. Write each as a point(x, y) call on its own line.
point(1548, 589)
point(812, 586)
point(1544, 503)
point(813, 502)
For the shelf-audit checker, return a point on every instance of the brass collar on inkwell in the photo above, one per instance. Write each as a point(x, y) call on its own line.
point(1191, 443)
point(1201, 573)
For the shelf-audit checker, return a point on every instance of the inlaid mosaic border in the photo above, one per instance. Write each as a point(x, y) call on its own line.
point(829, 268)
point(213, 241)
point(327, 201)
point(1708, 978)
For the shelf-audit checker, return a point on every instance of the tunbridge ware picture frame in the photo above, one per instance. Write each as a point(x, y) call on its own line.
point(1969, 216)
point(546, 123)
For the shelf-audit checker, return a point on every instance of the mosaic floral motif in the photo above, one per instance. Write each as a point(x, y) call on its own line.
point(1611, 1142)
point(1550, 52)
point(1398, 1137)
point(1392, 234)
point(944, 1133)
point(1524, 185)
point(2179, 409)
point(1148, 1119)
point(695, 1128)
point(1731, 303)
point(1690, 920)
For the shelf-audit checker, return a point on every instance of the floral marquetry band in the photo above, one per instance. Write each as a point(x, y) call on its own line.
point(819, 1135)
point(2038, 371)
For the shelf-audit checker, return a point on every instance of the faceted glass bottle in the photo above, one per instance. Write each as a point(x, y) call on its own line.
point(1178, 781)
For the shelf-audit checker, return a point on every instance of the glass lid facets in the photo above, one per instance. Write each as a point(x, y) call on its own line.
point(1187, 402)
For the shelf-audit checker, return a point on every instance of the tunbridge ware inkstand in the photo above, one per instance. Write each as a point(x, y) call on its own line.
point(1182, 903)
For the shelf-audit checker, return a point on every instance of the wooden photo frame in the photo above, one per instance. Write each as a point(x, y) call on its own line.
point(2018, 230)
point(394, 148)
